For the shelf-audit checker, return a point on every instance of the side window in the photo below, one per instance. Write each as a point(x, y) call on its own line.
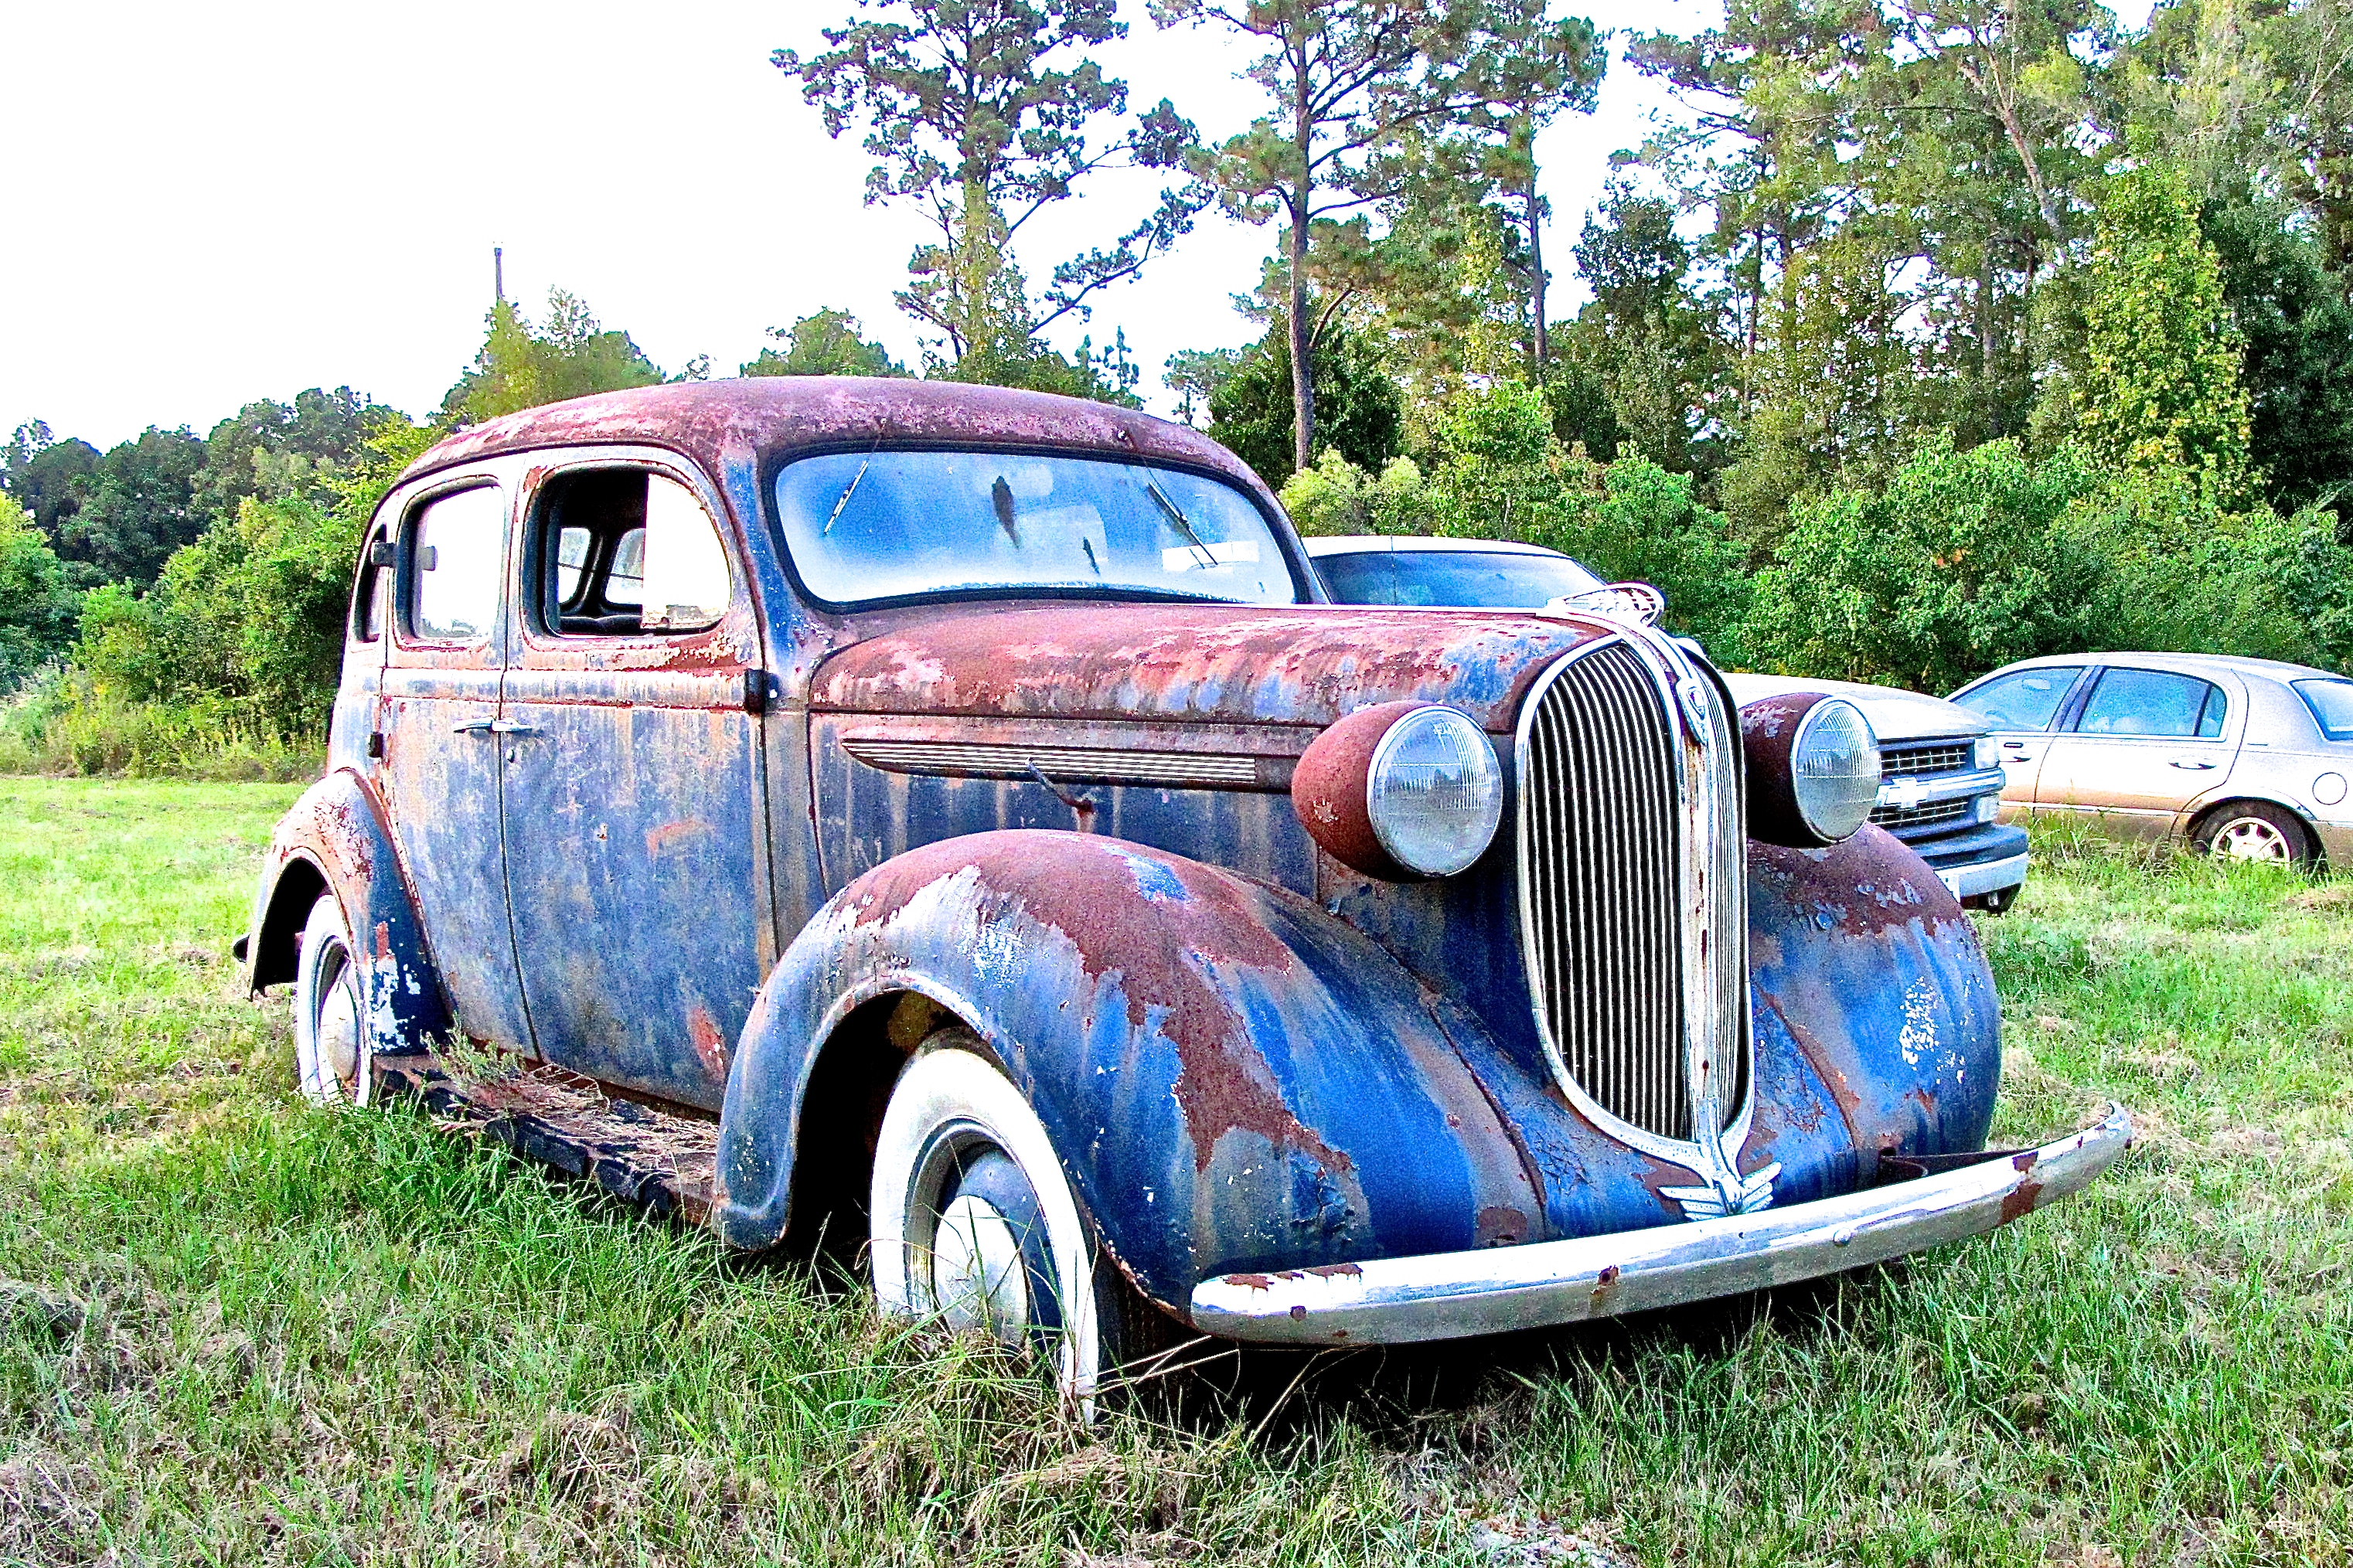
point(368, 596)
point(2022, 701)
point(2153, 703)
point(456, 545)
point(625, 553)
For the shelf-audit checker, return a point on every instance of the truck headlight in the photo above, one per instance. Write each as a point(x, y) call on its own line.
point(1813, 769)
point(1401, 791)
point(1986, 753)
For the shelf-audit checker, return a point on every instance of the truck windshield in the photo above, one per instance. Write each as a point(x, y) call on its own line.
point(1476, 579)
point(868, 526)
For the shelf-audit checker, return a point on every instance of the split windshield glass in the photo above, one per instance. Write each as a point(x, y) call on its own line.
point(867, 526)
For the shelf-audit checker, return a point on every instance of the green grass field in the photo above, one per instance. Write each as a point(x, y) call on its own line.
point(238, 1330)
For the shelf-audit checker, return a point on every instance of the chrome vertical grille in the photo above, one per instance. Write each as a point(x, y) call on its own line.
point(1634, 890)
point(1603, 846)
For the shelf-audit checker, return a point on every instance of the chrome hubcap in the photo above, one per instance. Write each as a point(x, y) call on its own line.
point(336, 1030)
point(977, 1276)
point(2250, 839)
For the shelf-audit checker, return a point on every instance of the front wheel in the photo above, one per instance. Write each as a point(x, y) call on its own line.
point(331, 1056)
point(973, 1222)
point(2251, 830)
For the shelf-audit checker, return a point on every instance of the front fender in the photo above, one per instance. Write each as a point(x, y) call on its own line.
point(1233, 1078)
point(1860, 954)
point(335, 837)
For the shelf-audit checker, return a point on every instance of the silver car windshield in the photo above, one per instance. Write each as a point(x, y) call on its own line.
point(1474, 579)
point(2331, 702)
point(867, 526)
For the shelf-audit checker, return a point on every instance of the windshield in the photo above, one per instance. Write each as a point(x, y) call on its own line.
point(2331, 702)
point(864, 526)
point(1474, 579)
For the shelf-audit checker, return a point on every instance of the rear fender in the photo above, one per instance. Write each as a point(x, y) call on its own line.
point(1234, 1079)
point(1860, 955)
point(335, 837)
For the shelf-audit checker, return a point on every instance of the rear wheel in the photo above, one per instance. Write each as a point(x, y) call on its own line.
point(331, 1039)
point(2251, 830)
point(973, 1222)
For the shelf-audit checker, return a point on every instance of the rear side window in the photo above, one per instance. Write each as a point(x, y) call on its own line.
point(2331, 702)
point(2023, 699)
point(2153, 703)
point(628, 552)
point(456, 546)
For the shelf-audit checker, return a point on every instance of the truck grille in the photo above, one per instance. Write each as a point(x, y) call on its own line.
point(1604, 846)
point(1898, 762)
point(1936, 813)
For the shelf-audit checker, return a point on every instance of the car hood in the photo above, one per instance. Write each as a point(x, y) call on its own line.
point(1894, 713)
point(1306, 664)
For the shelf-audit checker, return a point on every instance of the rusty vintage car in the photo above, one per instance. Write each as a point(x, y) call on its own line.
point(963, 799)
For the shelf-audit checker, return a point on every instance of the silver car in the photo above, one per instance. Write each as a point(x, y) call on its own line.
point(1940, 784)
point(2240, 758)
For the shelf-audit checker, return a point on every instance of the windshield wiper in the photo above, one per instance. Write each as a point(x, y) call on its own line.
point(1208, 556)
point(850, 489)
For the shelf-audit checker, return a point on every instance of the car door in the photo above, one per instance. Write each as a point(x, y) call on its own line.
point(2142, 745)
point(635, 811)
point(442, 675)
point(2021, 708)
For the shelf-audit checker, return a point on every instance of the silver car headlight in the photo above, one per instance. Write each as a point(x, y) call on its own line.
point(1401, 791)
point(1813, 768)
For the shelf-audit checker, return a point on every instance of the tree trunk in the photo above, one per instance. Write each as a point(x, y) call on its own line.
point(1302, 344)
point(1541, 337)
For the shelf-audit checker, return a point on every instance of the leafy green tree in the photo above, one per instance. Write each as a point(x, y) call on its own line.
point(39, 606)
point(1336, 497)
point(1252, 412)
point(521, 366)
point(970, 120)
point(47, 477)
point(1649, 526)
point(1345, 79)
point(826, 343)
point(1196, 375)
point(272, 448)
point(139, 504)
point(1964, 561)
point(2160, 388)
point(2297, 321)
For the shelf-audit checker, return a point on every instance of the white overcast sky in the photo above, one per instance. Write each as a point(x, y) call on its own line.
point(215, 203)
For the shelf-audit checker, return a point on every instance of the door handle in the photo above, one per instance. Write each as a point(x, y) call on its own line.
point(2192, 764)
point(2014, 745)
point(509, 727)
point(470, 727)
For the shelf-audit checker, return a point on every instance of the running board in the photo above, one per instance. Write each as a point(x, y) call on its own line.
point(659, 1159)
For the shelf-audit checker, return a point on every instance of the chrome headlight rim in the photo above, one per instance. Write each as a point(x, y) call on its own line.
point(1833, 820)
point(1390, 830)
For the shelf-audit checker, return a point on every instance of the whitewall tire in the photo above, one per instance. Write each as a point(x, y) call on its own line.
point(331, 1055)
point(973, 1222)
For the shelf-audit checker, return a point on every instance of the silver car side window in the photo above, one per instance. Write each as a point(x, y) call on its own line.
point(2024, 700)
point(2153, 703)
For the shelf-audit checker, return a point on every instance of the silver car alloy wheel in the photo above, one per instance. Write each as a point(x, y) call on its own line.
point(2251, 839)
point(331, 1053)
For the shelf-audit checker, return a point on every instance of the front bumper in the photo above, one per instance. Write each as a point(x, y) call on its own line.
point(1444, 1294)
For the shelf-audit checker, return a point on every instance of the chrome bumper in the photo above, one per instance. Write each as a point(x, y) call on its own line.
point(1986, 876)
point(1443, 1295)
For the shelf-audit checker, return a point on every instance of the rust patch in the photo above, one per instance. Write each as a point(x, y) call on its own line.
point(1250, 1281)
point(1868, 886)
point(1162, 925)
point(383, 939)
point(1328, 789)
point(1502, 1227)
point(1297, 1313)
point(660, 838)
point(2021, 1202)
point(1332, 1271)
point(1605, 1289)
point(710, 1045)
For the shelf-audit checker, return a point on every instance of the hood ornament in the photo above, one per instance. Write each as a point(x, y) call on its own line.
point(1636, 602)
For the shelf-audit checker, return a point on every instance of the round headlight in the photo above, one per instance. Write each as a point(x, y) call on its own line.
point(1813, 769)
point(1402, 790)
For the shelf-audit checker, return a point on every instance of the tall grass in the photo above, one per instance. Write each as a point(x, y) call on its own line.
point(60, 722)
point(239, 1330)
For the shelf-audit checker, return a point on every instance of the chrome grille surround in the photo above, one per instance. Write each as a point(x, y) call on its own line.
point(1634, 904)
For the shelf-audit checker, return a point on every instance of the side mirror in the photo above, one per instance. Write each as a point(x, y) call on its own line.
point(382, 553)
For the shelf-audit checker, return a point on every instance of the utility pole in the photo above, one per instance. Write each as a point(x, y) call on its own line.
point(499, 273)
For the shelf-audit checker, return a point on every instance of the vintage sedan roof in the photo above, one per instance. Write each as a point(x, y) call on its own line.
point(2185, 663)
point(763, 416)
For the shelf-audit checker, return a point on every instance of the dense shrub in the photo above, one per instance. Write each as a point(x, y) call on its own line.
point(1963, 562)
point(1646, 525)
point(38, 607)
